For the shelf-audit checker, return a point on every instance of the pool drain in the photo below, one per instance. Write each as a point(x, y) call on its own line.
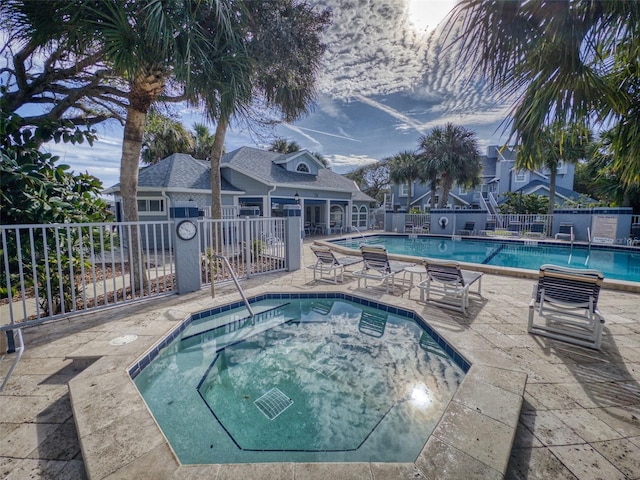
point(273, 403)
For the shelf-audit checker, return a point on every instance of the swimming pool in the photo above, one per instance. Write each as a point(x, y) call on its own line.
point(614, 263)
point(310, 378)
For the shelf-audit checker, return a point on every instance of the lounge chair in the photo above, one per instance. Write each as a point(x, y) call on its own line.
point(565, 232)
point(469, 229)
point(536, 229)
point(378, 267)
point(489, 228)
point(515, 228)
point(328, 263)
point(408, 227)
point(9, 347)
point(451, 282)
point(634, 236)
point(566, 299)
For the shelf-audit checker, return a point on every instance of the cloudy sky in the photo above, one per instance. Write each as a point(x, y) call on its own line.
point(386, 80)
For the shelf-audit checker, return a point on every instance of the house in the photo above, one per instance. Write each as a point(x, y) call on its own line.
point(499, 176)
point(256, 182)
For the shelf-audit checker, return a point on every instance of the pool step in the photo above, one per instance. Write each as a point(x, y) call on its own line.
point(236, 330)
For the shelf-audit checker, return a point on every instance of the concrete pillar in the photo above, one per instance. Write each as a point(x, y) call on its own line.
point(293, 243)
point(186, 248)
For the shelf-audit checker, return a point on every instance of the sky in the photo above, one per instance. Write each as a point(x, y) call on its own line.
point(385, 81)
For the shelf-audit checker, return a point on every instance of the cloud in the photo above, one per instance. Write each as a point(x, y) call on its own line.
point(348, 163)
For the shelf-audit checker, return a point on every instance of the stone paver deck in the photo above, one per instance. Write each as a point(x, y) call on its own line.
point(580, 417)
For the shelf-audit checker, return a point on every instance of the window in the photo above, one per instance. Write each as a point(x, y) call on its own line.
point(462, 190)
point(520, 177)
point(302, 167)
point(404, 190)
point(151, 206)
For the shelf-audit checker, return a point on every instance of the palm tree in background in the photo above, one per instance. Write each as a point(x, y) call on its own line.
point(556, 143)
point(282, 145)
point(162, 137)
point(203, 141)
point(405, 167)
point(574, 62)
point(450, 153)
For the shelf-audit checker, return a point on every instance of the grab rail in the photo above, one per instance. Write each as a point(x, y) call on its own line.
point(235, 280)
point(356, 229)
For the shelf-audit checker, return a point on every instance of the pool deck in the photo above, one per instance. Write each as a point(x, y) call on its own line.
point(578, 415)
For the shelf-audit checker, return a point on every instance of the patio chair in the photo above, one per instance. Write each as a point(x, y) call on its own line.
point(634, 236)
point(425, 228)
point(408, 227)
point(489, 227)
point(515, 228)
point(469, 229)
point(536, 229)
point(9, 347)
point(453, 284)
point(378, 267)
point(565, 232)
point(328, 263)
point(566, 299)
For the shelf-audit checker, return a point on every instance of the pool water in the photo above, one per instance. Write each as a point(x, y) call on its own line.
point(614, 263)
point(304, 380)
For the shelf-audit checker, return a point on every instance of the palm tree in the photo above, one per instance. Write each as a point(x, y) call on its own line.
point(556, 143)
point(163, 136)
point(202, 141)
point(149, 44)
point(282, 39)
point(452, 154)
point(405, 167)
point(573, 62)
point(282, 145)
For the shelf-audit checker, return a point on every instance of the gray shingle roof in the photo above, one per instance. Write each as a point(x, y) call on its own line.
point(259, 164)
point(179, 171)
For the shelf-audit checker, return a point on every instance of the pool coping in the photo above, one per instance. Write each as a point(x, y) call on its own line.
point(119, 437)
point(609, 284)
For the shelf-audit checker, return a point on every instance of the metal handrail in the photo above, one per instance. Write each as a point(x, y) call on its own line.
point(356, 229)
point(235, 280)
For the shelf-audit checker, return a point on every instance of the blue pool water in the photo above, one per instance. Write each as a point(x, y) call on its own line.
point(313, 379)
point(614, 263)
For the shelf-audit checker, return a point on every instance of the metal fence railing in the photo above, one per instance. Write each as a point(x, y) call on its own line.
point(53, 270)
point(252, 245)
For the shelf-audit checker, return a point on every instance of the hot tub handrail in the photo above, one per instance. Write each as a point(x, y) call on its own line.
point(235, 280)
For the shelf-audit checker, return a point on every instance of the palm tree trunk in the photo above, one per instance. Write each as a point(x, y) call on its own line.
point(552, 196)
point(445, 187)
point(409, 195)
point(432, 200)
point(216, 194)
point(141, 95)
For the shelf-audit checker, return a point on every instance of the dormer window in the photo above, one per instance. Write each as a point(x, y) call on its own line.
point(302, 167)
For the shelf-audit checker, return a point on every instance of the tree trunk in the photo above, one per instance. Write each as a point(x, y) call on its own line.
point(216, 157)
point(432, 200)
point(141, 95)
point(409, 195)
point(216, 194)
point(445, 187)
point(552, 196)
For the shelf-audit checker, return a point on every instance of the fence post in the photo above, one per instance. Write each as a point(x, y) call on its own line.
point(250, 241)
point(293, 243)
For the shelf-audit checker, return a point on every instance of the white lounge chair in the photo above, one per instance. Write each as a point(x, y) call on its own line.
point(328, 263)
point(378, 267)
point(565, 232)
point(566, 299)
point(453, 284)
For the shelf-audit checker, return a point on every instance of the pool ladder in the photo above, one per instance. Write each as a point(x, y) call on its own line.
point(235, 280)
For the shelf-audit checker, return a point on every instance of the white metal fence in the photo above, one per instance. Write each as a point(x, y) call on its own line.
point(55, 270)
point(252, 246)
